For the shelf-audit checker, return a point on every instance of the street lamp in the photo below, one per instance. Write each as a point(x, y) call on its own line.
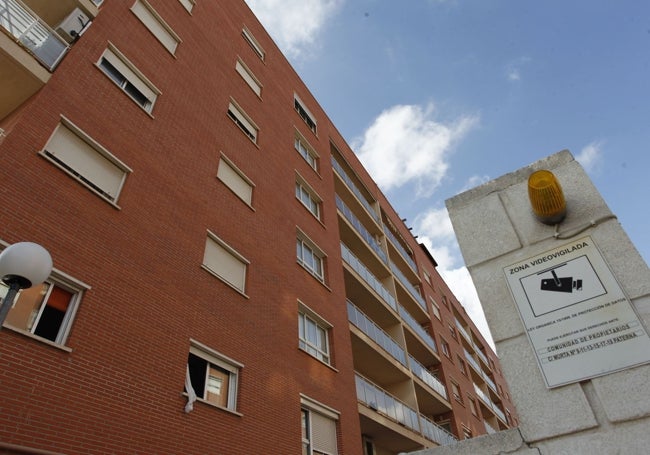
point(22, 265)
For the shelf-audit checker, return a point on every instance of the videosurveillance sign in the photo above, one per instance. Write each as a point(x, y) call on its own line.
point(578, 320)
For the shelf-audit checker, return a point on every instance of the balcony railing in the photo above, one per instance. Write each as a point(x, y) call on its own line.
point(32, 33)
point(489, 428)
point(421, 372)
point(383, 402)
point(367, 276)
point(481, 355)
point(473, 362)
point(489, 403)
point(464, 332)
point(417, 328)
point(436, 433)
point(360, 228)
point(490, 382)
point(376, 333)
point(409, 287)
point(353, 187)
point(400, 248)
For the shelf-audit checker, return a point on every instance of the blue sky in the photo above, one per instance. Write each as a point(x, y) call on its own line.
point(438, 96)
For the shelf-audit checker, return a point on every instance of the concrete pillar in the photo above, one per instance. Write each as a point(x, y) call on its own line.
point(496, 228)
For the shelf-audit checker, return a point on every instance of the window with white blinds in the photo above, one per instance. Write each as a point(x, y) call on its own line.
point(319, 427)
point(156, 25)
point(248, 76)
point(88, 162)
point(235, 180)
point(223, 261)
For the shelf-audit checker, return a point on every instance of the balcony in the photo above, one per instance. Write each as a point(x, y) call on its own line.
point(417, 328)
point(389, 406)
point(360, 229)
point(367, 276)
point(375, 333)
point(355, 189)
point(429, 379)
point(400, 249)
point(472, 361)
point(489, 428)
point(434, 432)
point(489, 404)
point(412, 290)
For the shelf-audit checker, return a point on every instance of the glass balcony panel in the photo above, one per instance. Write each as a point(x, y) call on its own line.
point(367, 276)
point(435, 433)
point(376, 333)
point(353, 187)
point(409, 287)
point(400, 248)
point(472, 361)
point(417, 328)
point(360, 228)
point(34, 34)
point(425, 375)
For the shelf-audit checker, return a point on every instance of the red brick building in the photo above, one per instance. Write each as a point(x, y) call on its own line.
point(213, 236)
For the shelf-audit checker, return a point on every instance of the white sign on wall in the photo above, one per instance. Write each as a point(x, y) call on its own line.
point(578, 320)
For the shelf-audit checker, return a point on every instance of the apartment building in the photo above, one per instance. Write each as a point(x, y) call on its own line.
point(228, 279)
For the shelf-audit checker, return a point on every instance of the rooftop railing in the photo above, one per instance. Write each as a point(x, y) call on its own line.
point(353, 187)
point(376, 333)
point(31, 32)
point(360, 228)
point(367, 276)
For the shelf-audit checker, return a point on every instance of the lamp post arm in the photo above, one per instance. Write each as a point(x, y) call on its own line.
point(8, 301)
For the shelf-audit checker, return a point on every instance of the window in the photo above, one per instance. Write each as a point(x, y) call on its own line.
point(310, 256)
point(46, 310)
point(467, 433)
point(318, 428)
point(455, 391)
point(76, 153)
point(452, 330)
point(213, 377)
point(313, 334)
point(306, 151)
point(235, 180)
point(243, 121)
point(427, 277)
point(461, 365)
point(500, 390)
point(368, 446)
point(223, 261)
point(445, 347)
point(156, 25)
point(472, 405)
point(248, 76)
point(121, 71)
point(435, 308)
point(304, 113)
point(308, 197)
point(188, 4)
point(445, 302)
point(250, 39)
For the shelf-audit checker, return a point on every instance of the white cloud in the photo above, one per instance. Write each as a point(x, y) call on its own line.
point(406, 144)
point(474, 181)
point(294, 24)
point(435, 231)
point(591, 156)
point(514, 68)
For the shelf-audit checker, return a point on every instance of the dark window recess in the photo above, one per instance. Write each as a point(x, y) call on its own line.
point(198, 369)
point(305, 116)
point(124, 83)
point(241, 125)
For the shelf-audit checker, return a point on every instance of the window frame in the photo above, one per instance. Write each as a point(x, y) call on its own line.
point(446, 349)
point(243, 121)
point(86, 181)
point(306, 314)
point(67, 283)
point(303, 188)
point(253, 43)
point(309, 407)
point(455, 391)
point(306, 151)
point(222, 362)
point(164, 33)
point(234, 254)
point(188, 5)
point(127, 85)
point(317, 255)
point(305, 114)
point(239, 173)
point(247, 75)
point(435, 308)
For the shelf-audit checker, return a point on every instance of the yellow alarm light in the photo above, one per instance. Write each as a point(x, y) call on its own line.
point(546, 197)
